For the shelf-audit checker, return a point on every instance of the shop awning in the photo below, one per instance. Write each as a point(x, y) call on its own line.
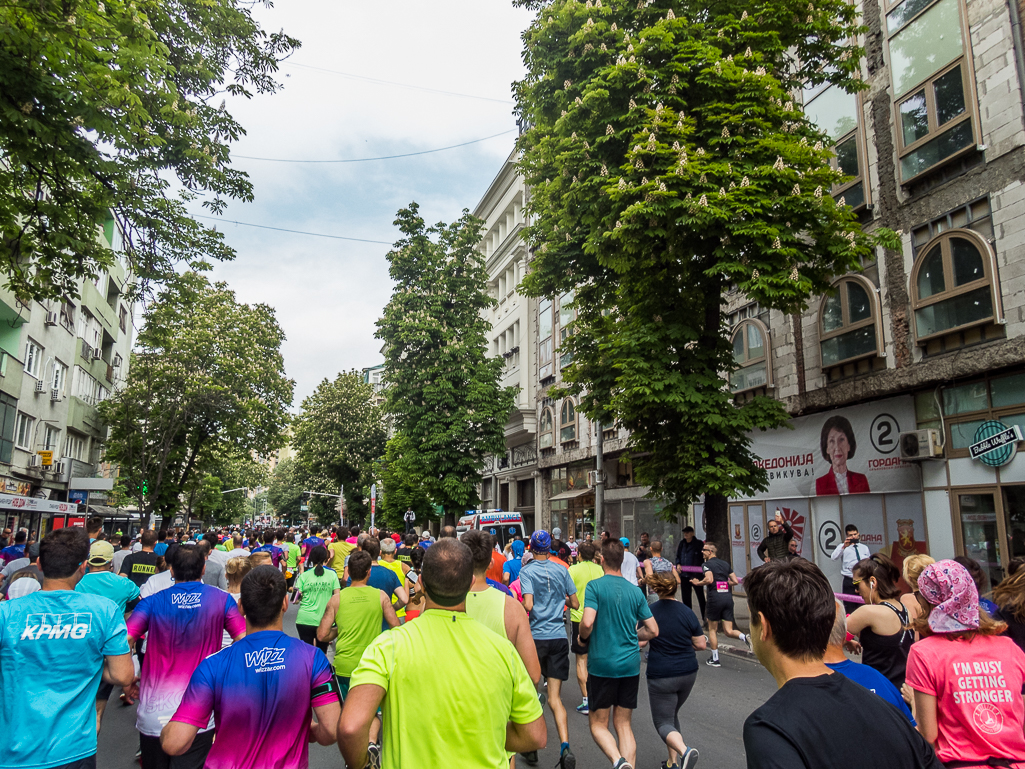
point(35, 504)
point(571, 494)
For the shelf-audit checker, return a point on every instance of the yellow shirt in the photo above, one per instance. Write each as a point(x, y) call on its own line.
point(340, 550)
point(396, 567)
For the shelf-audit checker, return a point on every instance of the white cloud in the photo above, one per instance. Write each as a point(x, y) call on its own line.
point(328, 293)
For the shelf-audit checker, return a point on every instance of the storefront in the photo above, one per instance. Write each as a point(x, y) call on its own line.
point(36, 514)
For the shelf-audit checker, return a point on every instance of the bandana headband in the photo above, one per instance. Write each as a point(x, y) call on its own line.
point(949, 587)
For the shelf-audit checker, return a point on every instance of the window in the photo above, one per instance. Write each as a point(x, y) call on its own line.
point(51, 438)
point(545, 322)
point(33, 358)
point(8, 419)
point(837, 113)
point(546, 435)
point(60, 375)
point(966, 407)
point(751, 354)
point(931, 83)
point(67, 316)
point(123, 319)
point(567, 422)
point(23, 431)
point(952, 285)
point(76, 446)
point(849, 322)
point(566, 317)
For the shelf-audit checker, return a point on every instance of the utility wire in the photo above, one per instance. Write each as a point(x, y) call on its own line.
point(383, 157)
point(297, 232)
point(399, 85)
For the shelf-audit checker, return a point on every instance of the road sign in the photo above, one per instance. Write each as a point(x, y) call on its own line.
point(46, 457)
point(995, 443)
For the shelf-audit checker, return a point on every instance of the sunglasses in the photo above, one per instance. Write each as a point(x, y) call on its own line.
point(858, 582)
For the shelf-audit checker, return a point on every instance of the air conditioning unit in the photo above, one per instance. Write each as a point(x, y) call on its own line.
point(40, 385)
point(918, 445)
point(97, 354)
point(35, 461)
point(51, 319)
point(592, 478)
point(117, 361)
point(55, 394)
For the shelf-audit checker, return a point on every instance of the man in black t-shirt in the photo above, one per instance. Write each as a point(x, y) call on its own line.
point(408, 543)
point(720, 579)
point(139, 567)
point(792, 613)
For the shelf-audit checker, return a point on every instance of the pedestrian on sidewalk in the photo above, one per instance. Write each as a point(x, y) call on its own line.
point(792, 614)
point(451, 692)
point(849, 552)
point(775, 545)
point(262, 692)
point(719, 580)
point(672, 666)
point(616, 617)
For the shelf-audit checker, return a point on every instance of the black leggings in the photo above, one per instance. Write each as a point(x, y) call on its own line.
point(666, 696)
point(308, 633)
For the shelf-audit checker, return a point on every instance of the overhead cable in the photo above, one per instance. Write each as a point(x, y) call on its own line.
point(382, 157)
point(296, 232)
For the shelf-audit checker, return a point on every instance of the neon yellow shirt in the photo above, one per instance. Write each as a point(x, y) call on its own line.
point(396, 568)
point(582, 573)
point(469, 708)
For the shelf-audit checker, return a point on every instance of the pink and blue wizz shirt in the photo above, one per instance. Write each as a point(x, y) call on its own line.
point(261, 690)
point(185, 624)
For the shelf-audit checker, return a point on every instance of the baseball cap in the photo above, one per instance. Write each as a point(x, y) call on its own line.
point(101, 553)
point(540, 541)
point(556, 533)
point(396, 537)
point(625, 541)
point(33, 550)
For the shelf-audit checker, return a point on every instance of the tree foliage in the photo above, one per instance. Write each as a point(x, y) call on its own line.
point(206, 387)
point(115, 107)
point(443, 391)
point(338, 436)
point(285, 492)
point(668, 162)
point(403, 489)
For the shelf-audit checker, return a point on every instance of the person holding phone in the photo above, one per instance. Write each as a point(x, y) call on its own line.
point(851, 551)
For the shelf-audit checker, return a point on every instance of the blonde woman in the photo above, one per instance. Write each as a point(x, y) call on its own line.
point(235, 570)
point(913, 567)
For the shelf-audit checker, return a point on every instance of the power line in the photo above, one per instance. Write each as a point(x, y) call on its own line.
point(398, 85)
point(296, 232)
point(383, 157)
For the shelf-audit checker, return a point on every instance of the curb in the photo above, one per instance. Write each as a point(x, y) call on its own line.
point(735, 651)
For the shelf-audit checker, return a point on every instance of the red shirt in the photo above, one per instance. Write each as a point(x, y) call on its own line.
point(978, 690)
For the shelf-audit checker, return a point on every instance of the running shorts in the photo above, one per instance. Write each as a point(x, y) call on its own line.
point(719, 610)
point(603, 693)
point(553, 654)
point(575, 646)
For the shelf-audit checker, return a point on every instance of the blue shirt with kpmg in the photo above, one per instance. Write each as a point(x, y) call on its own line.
point(875, 682)
point(52, 645)
point(549, 583)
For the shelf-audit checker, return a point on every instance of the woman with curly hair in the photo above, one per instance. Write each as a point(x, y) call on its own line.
point(1009, 596)
point(967, 678)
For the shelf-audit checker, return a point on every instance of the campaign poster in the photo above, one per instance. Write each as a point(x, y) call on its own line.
point(848, 451)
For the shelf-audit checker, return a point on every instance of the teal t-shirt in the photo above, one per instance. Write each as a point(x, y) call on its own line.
point(118, 589)
point(613, 650)
point(49, 719)
point(316, 592)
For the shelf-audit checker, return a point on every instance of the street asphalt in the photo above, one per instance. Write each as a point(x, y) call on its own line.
point(712, 720)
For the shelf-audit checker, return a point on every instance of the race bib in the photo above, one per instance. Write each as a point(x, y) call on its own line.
point(722, 587)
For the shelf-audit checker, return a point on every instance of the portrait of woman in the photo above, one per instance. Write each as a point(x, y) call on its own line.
point(838, 445)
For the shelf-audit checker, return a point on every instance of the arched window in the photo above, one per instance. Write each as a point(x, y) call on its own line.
point(952, 284)
point(568, 422)
point(546, 435)
point(849, 322)
point(751, 354)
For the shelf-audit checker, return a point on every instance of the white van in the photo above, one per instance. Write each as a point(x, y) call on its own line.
point(501, 525)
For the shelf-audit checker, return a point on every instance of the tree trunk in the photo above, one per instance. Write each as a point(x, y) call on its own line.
point(717, 525)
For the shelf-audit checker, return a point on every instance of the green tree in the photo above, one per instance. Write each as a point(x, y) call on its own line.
point(443, 392)
point(401, 489)
point(205, 496)
point(338, 436)
point(206, 384)
point(112, 109)
point(667, 162)
point(284, 492)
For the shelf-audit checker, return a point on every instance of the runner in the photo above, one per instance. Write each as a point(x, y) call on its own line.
point(413, 585)
point(122, 553)
point(312, 541)
point(672, 665)
point(16, 551)
point(55, 646)
point(183, 625)
point(100, 580)
point(511, 568)
point(139, 567)
point(236, 571)
point(381, 578)
point(487, 690)
point(616, 617)
point(276, 553)
point(882, 624)
point(720, 579)
point(389, 562)
point(27, 579)
point(292, 555)
point(546, 589)
point(316, 586)
point(405, 551)
point(260, 691)
point(161, 546)
point(582, 573)
point(630, 564)
point(657, 564)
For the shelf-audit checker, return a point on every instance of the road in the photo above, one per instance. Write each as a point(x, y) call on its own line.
point(712, 719)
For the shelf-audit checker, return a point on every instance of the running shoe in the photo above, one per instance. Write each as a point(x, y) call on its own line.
point(622, 763)
point(567, 760)
point(747, 640)
point(530, 758)
point(543, 699)
point(688, 760)
point(583, 708)
point(373, 756)
point(713, 663)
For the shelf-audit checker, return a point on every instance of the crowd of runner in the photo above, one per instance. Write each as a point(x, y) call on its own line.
point(467, 641)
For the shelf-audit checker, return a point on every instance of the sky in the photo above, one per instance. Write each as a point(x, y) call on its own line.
point(328, 293)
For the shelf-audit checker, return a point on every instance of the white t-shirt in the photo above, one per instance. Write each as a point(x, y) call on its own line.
point(238, 552)
point(630, 564)
point(156, 583)
point(22, 587)
point(120, 556)
point(16, 565)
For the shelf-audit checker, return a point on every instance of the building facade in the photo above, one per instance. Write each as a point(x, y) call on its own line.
point(931, 338)
point(58, 361)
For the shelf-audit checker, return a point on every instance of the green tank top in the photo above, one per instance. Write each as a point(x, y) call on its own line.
point(488, 608)
point(359, 621)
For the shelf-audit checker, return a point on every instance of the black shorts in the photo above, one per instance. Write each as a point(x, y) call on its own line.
point(82, 763)
point(553, 654)
point(719, 610)
point(153, 756)
point(603, 693)
point(574, 643)
point(103, 693)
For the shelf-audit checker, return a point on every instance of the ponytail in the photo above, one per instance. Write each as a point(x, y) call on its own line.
point(318, 557)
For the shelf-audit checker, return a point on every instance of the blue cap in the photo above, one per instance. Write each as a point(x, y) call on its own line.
point(540, 541)
point(625, 541)
point(517, 548)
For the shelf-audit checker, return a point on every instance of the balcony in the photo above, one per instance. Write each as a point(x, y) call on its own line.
point(98, 368)
point(11, 372)
point(83, 417)
point(96, 303)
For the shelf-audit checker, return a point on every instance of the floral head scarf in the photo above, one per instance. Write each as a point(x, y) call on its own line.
point(948, 586)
